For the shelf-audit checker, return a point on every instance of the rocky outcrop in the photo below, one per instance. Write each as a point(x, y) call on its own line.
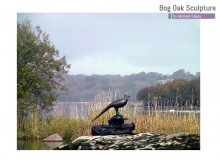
point(141, 141)
point(53, 138)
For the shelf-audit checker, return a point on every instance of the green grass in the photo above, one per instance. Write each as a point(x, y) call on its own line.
point(157, 122)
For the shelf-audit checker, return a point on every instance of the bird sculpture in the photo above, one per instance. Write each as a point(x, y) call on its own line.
point(116, 104)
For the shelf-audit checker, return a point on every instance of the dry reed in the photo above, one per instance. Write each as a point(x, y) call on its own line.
point(72, 127)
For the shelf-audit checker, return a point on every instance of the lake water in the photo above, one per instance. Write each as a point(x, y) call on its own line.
point(83, 109)
point(37, 145)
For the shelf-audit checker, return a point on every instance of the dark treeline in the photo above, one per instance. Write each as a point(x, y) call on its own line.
point(179, 93)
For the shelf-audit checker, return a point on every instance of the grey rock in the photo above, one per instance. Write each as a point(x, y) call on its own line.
point(21, 135)
point(141, 141)
point(53, 144)
point(53, 138)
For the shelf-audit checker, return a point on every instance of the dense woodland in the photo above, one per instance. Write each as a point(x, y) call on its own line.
point(180, 92)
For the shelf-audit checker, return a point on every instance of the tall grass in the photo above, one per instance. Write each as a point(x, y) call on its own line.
point(36, 127)
point(167, 123)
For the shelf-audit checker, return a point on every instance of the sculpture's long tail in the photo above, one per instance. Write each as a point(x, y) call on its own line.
point(103, 111)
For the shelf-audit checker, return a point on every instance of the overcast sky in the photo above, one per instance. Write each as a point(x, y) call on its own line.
point(122, 43)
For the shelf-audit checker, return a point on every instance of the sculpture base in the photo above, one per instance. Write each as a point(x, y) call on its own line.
point(102, 130)
point(116, 127)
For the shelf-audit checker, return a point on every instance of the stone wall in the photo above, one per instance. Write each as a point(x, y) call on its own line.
point(141, 141)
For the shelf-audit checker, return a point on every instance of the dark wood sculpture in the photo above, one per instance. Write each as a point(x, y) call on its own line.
point(116, 123)
point(116, 104)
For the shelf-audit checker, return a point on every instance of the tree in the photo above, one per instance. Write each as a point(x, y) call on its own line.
point(40, 69)
point(179, 88)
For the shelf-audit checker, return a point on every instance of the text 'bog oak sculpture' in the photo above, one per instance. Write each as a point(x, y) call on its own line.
point(116, 123)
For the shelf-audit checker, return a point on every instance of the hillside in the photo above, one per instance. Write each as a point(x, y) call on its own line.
point(83, 87)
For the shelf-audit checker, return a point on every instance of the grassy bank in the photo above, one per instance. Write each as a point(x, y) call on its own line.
point(155, 121)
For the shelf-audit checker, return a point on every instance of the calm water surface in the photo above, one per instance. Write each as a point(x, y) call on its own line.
point(37, 145)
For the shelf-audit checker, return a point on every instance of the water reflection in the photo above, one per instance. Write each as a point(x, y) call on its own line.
point(37, 145)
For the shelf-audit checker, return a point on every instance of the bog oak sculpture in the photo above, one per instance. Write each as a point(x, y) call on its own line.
point(116, 124)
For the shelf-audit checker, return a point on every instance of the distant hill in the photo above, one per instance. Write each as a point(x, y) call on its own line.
point(83, 87)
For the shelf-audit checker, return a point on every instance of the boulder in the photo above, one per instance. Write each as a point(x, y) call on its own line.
point(21, 135)
point(53, 138)
point(140, 141)
point(52, 145)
